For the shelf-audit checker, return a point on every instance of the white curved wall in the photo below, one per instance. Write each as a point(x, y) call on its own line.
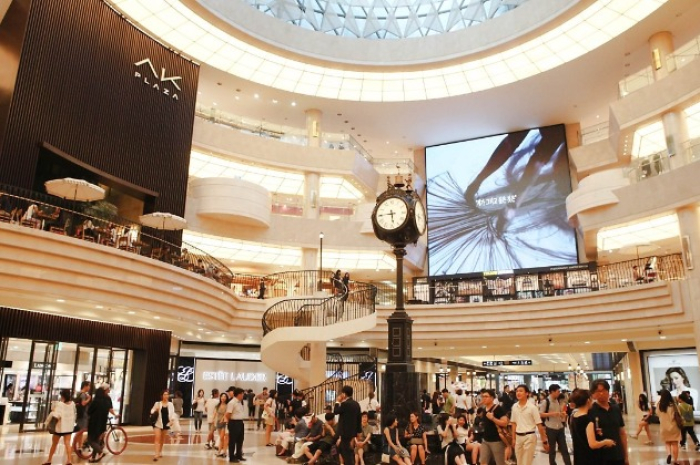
point(346, 163)
point(37, 268)
point(230, 200)
point(596, 190)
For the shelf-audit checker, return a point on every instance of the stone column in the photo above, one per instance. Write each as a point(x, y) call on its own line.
point(312, 204)
point(661, 46)
point(313, 127)
point(309, 262)
point(689, 224)
point(676, 132)
point(317, 370)
point(635, 382)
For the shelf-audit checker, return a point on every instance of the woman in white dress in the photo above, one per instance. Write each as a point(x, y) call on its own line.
point(64, 412)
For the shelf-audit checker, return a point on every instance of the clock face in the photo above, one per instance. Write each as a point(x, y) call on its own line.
point(420, 217)
point(392, 213)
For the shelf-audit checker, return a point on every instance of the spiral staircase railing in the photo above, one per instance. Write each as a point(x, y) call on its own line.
point(354, 302)
point(317, 397)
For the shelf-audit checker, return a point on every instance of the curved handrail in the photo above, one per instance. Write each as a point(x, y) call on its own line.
point(356, 302)
point(317, 396)
point(60, 216)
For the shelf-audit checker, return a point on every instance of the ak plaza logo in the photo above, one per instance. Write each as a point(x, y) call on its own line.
point(167, 86)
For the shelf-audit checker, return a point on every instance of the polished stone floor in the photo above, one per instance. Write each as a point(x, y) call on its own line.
point(32, 448)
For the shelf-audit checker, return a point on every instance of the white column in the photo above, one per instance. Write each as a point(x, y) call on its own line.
point(312, 200)
point(676, 131)
point(635, 383)
point(317, 371)
point(313, 127)
point(661, 46)
point(689, 223)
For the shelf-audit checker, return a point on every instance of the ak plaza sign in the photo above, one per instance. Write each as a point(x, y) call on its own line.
point(165, 85)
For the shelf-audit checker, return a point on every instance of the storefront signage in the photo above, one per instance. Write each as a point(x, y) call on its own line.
point(498, 363)
point(41, 366)
point(185, 374)
point(250, 377)
point(283, 379)
point(157, 81)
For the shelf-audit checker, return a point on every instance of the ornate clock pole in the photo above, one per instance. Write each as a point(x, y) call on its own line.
point(399, 219)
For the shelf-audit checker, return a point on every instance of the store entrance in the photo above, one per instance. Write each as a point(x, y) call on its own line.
point(32, 373)
point(36, 386)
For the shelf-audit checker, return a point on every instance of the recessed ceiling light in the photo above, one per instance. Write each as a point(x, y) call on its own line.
point(237, 97)
point(131, 312)
point(208, 332)
point(60, 300)
point(420, 348)
point(623, 340)
point(274, 100)
point(256, 96)
point(200, 329)
point(214, 103)
point(587, 342)
point(483, 347)
point(517, 345)
point(156, 317)
point(99, 306)
point(294, 104)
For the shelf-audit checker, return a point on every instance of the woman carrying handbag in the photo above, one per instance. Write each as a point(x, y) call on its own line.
point(60, 423)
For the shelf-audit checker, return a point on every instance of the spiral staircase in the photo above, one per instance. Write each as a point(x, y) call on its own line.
point(296, 329)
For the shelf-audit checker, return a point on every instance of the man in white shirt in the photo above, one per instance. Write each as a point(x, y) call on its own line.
point(525, 418)
point(370, 405)
point(235, 414)
point(210, 406)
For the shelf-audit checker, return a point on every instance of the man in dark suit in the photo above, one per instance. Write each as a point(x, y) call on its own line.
point(349, 423)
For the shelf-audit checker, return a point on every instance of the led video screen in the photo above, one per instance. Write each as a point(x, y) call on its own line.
point(499, 203)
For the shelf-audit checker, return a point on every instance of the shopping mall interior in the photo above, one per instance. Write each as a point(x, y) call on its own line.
point(181, 179)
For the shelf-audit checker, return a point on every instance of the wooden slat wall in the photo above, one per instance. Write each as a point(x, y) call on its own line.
point(43, 326)
point(76, 90)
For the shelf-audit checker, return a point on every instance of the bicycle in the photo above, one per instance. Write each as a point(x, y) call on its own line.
point(114, 439)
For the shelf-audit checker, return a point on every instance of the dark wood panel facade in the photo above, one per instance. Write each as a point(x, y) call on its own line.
point(151, 347)
point(98, 89)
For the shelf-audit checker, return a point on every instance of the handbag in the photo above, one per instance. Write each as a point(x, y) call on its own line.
point(677, 417)
point(51, 425)
point(506, 435)
point(153, 417)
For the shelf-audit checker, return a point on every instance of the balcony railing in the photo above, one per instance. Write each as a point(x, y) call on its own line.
point(286, 134)
point(678, 59)
point(59, 216)
point(636, 272)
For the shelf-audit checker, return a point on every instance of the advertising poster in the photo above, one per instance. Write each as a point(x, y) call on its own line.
point(499, 203)
point(676, 371)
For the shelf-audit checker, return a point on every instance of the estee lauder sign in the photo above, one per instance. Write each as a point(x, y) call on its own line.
point(234, 376)
point(157, 82)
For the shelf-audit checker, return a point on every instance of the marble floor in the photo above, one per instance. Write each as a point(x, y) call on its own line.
point(32, 448)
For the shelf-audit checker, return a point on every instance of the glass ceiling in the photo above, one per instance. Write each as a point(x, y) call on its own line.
point(275, 181)
point(385, 19)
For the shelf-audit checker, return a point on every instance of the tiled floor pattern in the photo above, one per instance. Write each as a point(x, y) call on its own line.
point(32, 448)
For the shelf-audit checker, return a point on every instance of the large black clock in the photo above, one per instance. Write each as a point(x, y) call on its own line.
point(399, 216)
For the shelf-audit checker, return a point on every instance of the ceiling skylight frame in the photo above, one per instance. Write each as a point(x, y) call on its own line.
point(592, 27)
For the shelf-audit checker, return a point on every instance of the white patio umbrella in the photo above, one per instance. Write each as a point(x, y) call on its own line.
point(164, 221)
point(78, 190)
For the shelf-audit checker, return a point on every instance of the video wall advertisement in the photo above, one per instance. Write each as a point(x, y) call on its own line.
point(675, 370)
point(499, 203)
